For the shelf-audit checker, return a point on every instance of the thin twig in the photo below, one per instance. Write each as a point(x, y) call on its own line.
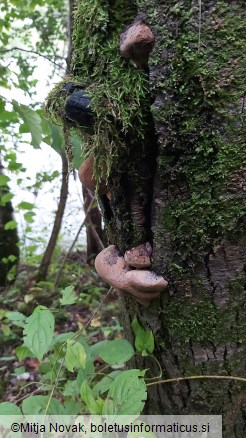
point(74, 241)
point(35, 53)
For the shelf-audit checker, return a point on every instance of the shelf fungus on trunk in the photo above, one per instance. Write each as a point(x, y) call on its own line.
point(144, 285)
point(77, 109)
point(86, 176)
point(139, 256)
point(136, 42)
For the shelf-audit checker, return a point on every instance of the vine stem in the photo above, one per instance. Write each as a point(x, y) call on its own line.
point(208, 377)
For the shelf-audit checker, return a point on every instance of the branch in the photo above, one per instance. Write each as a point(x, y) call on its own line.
point(74, 241)
point(35, 53)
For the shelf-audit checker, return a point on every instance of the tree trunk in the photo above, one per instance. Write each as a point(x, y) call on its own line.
point(197, 79)
point(46, 260)
point(179, 183)
point(9, 249)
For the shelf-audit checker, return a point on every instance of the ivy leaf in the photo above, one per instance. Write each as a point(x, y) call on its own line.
point(32, 120)
point(75, 356)
point(144, 339)
point(127, 394)
point(39, 331)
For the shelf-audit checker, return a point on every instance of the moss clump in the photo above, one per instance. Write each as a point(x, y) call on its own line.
point(200, 112)
point(118, 92)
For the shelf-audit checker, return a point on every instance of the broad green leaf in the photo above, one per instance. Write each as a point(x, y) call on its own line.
point(57, 139)
point(86, 373)
point(39, 331)
point(144, 339)
point(33, 120)
point(22, 352)
point(37, 404)
point(71, 388)
point(68, 296)
point(127, 394)
point(6, 198)
point(7, 408)
point(94, 406)
point(104, 384)
point(116, 352)
point(15, 316)
point(25, 205)
point(75, 356)
point(11, 225)
point(28, 216)
point(4, 179)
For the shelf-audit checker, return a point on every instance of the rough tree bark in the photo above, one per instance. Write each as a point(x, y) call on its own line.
point(197, 80)
point(178, 181)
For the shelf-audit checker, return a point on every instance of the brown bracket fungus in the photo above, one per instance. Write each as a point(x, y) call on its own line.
point(139, 257)
point(143, 285)
point(87, 178)
point(136, 43)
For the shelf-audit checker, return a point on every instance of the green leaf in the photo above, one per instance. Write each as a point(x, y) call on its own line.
point(22, 352)
point(144, 339)
point(75, 356)
point(25, 205)
point(28, 216)
point(78, 155)
point(127, 394)
point(4, 179)
point(57, 139)
point(6, 198)
point(11, 225)
point(68, 296)
point(71, 388)
point(37, 404)
point(87, 372)
point(15, 316)
point(94, 406)
point(39, 331)
point(116, 352)
point(33, 120)
point(7, 408)
point(104, 384)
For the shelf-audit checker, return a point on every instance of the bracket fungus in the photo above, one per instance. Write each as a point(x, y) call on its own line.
point(136, 43)
point(87, 178)
point(143, 285)
point(77, 108)
point(139, 257)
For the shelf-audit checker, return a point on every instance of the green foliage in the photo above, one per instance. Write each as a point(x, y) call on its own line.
point(144, 339)
point(75, 356)
point(118, 92)
point(127, 394)
point(39, 331)
point(204, 124)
